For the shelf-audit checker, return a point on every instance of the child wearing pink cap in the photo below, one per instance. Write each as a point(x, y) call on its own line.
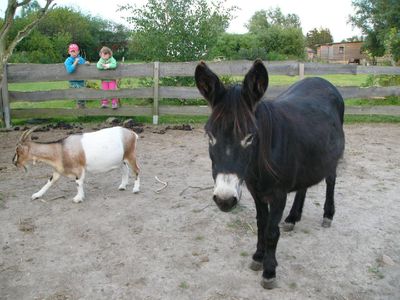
point(71, 64)
point(107, 62)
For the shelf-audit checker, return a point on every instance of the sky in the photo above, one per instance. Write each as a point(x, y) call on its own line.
point(333, 15)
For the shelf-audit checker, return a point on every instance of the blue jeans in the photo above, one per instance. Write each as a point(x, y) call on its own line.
point(78, 85)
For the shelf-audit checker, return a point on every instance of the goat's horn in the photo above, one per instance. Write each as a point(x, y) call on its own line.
point(26, 133)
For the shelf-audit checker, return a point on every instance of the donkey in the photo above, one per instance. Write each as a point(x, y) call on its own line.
point(96, 152)
point(275, 147)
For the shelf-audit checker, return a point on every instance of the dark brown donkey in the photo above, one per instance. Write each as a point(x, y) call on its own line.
point(275, 147)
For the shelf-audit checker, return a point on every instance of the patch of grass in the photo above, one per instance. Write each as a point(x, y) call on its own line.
point(2, 200)
point(199, 238)
point(376, 272)
point(353, 119)
point(244, 254)
point(392, 100)
point(293, 285)
point(184, 285)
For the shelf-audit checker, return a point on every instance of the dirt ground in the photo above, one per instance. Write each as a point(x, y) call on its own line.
point(176, 244)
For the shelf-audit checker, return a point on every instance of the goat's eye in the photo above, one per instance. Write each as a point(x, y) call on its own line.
point(212, 139)
point(248, 139)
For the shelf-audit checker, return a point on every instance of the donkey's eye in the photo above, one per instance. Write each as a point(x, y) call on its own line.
point(212, 139)
point(248, 139)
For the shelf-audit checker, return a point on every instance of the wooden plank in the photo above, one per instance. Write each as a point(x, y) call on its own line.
point(56, 72)
point(1, 107)
point(83, 93)
point(322, 69)
point(185, 110)
point(350, 110)
point(156, 97)
point(371, 92)
point(378, 70)
point(179, 93)
point(233, 68)
point(65, 112)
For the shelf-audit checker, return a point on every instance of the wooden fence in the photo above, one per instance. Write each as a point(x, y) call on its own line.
point(18, 73)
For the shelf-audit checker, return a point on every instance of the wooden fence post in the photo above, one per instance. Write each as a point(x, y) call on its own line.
point(156, 93)
point(5, 100)
point(301, 71)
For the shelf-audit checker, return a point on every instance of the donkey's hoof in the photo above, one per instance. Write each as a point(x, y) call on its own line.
point(135, 190)
point(256, 265)
point(287, 226)
point(122, 187)
point(326, 223)
point(269, 283)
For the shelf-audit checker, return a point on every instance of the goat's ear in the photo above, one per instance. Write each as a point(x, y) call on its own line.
point(208, 83)
point(255, 83)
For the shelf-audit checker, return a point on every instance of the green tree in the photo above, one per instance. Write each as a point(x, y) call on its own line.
point(317, 37)
point(277, 34)
point(177, 30)
point(63, 26)
point(231, 46)
point(379, 21)
point(7, 44)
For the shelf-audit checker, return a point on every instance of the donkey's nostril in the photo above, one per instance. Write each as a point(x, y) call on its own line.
point(225, 204)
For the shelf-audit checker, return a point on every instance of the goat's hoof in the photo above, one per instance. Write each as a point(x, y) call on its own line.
point(256, 265)
point(326, 223)
point(269, 283)
point(122, 187)
point(287, 226)
point(35, 196)
point(77, 199)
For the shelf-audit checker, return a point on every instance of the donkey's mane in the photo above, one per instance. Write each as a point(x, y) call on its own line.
point(231, 113)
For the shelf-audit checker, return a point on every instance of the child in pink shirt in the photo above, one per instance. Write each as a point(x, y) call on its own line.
point(106, 62)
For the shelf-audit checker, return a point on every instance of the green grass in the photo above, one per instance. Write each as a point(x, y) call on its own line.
point(371, 102)
point(352, 119)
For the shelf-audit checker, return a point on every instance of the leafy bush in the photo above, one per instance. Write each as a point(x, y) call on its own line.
point(382, 80)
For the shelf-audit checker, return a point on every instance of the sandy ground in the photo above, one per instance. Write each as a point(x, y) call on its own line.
point(176, 244)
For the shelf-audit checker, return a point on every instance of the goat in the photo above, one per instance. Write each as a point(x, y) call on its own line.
point(95, 152)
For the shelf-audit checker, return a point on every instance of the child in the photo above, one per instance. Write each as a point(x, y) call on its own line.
point(106, 62)
point(71, 64)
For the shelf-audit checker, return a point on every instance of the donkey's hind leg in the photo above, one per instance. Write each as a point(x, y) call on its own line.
point(329, 206)
point(296, 210)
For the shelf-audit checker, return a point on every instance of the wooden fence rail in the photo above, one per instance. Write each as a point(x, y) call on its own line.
point(20, 73)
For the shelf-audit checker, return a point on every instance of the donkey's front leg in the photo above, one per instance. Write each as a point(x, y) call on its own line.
point(44, 189)
point(271, 237)
point(262, 218)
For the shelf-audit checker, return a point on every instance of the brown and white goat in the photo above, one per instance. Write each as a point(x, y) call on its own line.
point(96, 152)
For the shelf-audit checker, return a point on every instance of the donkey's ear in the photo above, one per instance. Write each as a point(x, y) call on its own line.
point(255, 83)
point(208, 83)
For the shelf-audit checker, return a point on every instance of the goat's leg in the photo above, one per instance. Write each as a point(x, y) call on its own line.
point(81, 194)
point(44, 189)
point(296, 210)
point(329, 206)
point(125, 177)
point(135, 168)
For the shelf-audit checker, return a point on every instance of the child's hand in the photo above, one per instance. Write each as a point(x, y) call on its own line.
point(87, 62)
point(106, 66)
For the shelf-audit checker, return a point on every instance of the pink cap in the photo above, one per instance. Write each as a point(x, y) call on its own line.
point(73, 47)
